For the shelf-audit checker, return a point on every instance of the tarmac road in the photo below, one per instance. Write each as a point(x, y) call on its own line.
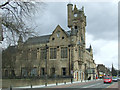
point(90, 85)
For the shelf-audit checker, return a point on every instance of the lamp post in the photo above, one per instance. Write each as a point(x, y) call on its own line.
point(69, 61)
point(46, 47)
point(85, 71)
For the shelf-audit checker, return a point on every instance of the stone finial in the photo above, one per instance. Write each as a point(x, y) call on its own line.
point(20, 38)
point(82, 8)
point(75, 8)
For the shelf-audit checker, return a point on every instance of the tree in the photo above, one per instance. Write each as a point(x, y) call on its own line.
point(114, 72)
point(14, 19)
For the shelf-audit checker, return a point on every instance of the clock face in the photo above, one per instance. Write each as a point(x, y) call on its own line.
point(75, 15)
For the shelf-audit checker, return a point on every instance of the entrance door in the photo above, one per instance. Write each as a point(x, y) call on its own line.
point(81, 76)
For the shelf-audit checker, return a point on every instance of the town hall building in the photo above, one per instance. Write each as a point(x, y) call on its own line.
point(60, 54)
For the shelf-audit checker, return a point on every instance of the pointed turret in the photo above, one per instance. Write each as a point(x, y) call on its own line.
point(114, 72)
point(75, 8)
point(20, 41)
point(90, 47)
point(91, 52)
point(82, 8)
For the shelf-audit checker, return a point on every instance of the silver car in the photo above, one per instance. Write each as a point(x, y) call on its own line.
point(114, 79)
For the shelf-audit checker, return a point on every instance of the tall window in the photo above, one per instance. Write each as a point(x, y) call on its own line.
point(63, 71)
point(43, 54)
point(34, 54)
point(53, 53)
point(76, 27)
point(79, 52)
point(34, 72)
point(42, 71)
point(64, 52)
point(24, 55)
point(24, 72)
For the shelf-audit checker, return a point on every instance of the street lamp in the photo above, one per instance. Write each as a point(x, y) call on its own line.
point(85, 71)
point(46, 47)
point(69, 60)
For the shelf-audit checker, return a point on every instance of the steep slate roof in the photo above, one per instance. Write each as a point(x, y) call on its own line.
point(38, 40)
point(11, 50)
point(42, 39)
point(88, 49)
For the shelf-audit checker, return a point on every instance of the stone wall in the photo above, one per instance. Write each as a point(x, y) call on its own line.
point(6, 83)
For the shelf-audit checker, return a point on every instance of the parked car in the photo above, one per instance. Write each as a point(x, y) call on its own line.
point(107, 79)
point(118, 78)
point(114, 79)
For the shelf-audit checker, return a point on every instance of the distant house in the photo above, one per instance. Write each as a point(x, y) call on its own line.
point(102, 70)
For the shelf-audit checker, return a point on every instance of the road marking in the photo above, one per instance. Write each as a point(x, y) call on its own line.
point(91, 85)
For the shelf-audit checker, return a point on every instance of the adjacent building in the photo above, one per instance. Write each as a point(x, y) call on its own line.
point(60, 54)
point(102, 71)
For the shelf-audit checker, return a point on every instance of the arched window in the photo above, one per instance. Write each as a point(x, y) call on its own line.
point(6, 73)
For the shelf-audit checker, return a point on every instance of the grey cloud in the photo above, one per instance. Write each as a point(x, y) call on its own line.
point(101, 19)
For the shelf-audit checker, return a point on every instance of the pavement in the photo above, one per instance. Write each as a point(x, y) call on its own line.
point(62, 85)
point(91, 85)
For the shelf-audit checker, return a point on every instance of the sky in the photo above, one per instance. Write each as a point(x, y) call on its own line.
point(101, 29)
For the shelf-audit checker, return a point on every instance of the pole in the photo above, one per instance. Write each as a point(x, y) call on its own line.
point(69, 62)
point(46, 66)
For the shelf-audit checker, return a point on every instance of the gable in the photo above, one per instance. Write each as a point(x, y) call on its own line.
point(58, 34)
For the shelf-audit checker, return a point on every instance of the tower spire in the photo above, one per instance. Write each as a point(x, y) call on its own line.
point(75, 8)
point(69, 1)
point(82, 8)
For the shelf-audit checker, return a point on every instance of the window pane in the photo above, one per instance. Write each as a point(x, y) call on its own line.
point(34, 72)
point(24, 72)
point(63, 71)
point(79, 52)
point(53, 53)
point(43, 54)
point(42, 71)
point(64, 52)
point(34, 54)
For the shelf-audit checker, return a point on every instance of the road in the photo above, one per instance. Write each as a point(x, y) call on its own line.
point(91, 84)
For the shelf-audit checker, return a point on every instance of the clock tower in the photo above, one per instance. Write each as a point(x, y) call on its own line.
point(77, 24)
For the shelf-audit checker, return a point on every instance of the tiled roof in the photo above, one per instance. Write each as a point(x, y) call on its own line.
point(42, 39)
point(39, 39)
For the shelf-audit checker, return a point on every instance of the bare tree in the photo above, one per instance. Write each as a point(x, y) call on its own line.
point(14, 15)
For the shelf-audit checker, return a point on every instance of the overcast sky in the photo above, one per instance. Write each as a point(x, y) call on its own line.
point(101, 29)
